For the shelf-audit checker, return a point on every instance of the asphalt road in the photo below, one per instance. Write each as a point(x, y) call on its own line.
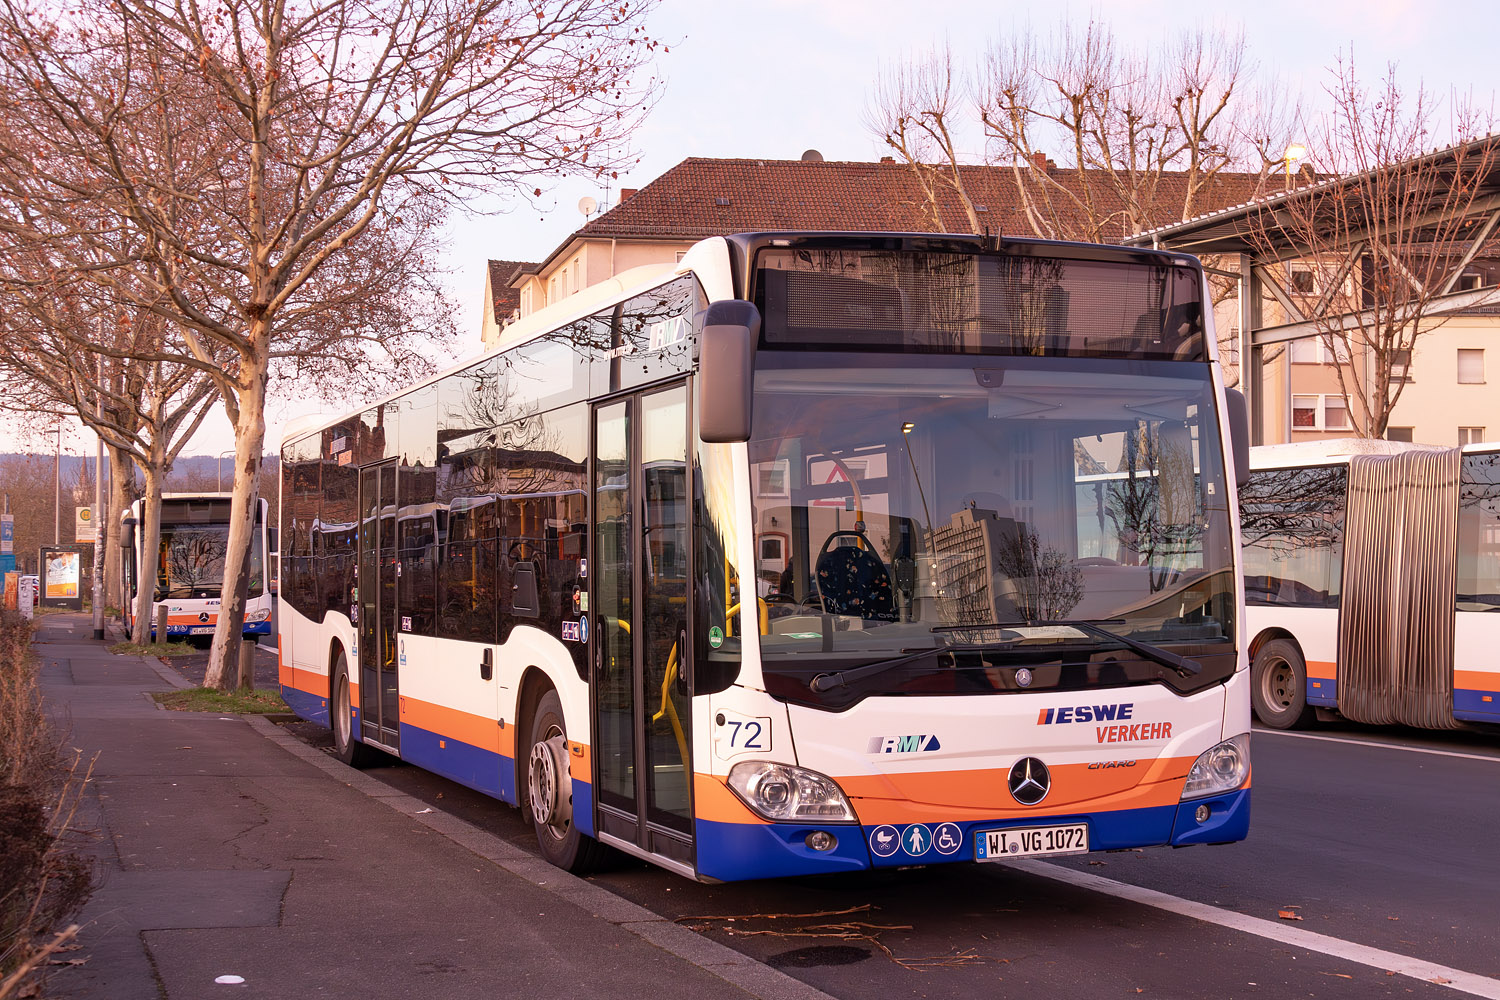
point(1376, 839)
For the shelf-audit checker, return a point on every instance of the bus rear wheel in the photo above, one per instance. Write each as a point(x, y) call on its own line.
point(341, 720)
point(549, 792)
point(1278, 686)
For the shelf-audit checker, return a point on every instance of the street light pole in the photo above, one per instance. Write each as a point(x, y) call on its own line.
point(99, 516)
point(57, 488)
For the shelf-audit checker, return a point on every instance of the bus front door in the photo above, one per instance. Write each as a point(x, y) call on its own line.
point(379, 637)
point(641, 655)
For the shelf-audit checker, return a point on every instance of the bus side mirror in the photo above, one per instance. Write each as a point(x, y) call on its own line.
point(1239, 433)
point(726, 371)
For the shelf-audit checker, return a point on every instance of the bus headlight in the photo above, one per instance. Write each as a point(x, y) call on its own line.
point(1219, 769)
point(783, 792)
point(258, 616)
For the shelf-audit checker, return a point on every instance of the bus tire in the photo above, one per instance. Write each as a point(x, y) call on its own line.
point(1278, 686)
point(341, 720)
point(548, 792)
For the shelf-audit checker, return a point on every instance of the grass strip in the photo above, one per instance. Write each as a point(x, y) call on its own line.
point(259, 702)
point(154, 649)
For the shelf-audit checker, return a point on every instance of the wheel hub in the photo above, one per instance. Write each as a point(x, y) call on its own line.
point(550, 784)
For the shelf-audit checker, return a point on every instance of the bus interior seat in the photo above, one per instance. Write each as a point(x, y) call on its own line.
point(853, 580)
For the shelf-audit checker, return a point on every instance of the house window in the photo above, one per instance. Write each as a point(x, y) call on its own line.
point(1304, 280)
point(1320, 413)
point(771, 550)
point(1470, 435)
point(1468, 281)
point(1305, 412)
point(1398, 434)
point(1305, 352)
point(576, 270)
point(772, 479)
point(1401, 366)
point(1229, 347)
point(1320, 350)
point(1470, 365)
point(1335, 413)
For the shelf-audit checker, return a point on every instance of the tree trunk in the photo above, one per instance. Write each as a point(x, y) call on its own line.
point(249, 442)
point(145, 582)
point(121, 472)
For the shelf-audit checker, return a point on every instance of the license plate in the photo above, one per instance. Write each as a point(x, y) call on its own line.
point(1031, 842)
point(201, 630)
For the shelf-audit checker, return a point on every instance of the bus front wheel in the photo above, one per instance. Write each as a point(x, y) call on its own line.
point(1278, 686)
point(549, 792)
point(341, 720)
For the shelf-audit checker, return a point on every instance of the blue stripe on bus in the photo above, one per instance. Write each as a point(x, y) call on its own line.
point(1470, 706)
point(1324, 696)
point(309, 706)
point(482, 770)
point(732, 851)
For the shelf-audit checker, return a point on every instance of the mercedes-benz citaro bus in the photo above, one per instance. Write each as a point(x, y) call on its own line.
point(190, 565)
point(1372, 576)
point(809, 553)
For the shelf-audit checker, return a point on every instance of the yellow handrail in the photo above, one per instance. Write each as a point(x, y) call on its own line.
point(765, 617)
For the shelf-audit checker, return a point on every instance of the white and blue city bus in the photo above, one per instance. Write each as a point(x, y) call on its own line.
point(809, 553)
point(190, 565)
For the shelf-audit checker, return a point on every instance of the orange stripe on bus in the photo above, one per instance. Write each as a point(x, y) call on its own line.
point(932, 796)
point(304, 680)
point(713, 801)
point(465, 727)
point(1476, 680)
point(1322, 669)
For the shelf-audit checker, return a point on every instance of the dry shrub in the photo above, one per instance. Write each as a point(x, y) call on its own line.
point(44, 878)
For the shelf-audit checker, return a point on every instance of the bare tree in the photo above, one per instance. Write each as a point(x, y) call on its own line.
point(913, 111)
point(269, 178)
point(54, 341)
point(1375, 248)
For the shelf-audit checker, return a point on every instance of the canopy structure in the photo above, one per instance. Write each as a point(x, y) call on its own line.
point(1252, 242)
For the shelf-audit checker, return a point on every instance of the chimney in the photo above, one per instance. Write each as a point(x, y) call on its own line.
point(625, 193)
point(887, 159)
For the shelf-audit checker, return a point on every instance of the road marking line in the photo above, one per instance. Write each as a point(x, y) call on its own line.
point(1376, 958)
point(1372, 743)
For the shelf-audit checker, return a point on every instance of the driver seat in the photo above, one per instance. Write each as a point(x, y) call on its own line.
point(852, 580)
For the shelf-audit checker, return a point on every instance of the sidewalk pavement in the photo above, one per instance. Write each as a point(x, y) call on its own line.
point(228, 847)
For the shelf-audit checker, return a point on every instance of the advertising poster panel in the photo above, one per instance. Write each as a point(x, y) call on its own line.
point(62, 576)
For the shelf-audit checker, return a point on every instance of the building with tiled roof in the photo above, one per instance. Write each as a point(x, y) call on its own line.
point(702, 197)
point(501, 301)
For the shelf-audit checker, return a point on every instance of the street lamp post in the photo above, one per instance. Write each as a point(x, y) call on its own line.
point(57, 488)
point(1296, 151)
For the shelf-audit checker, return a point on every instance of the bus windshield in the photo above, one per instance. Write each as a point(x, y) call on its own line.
point(191, 563)
point(965, 503)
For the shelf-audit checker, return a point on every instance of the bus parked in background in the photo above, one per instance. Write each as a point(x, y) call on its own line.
point(809, 553)
point(1372, 582)
point(190, 565)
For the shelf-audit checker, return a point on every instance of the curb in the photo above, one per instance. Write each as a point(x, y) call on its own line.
point(755, 978)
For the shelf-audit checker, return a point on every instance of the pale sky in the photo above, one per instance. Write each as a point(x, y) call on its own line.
point(771, 78)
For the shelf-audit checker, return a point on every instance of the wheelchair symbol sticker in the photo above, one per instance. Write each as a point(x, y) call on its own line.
point(947, 838)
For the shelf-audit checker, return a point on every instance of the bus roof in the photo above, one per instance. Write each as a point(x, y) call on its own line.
point(1328, 451)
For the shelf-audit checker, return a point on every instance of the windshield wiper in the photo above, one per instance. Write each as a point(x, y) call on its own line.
point(1165, 657)
point(841, 678)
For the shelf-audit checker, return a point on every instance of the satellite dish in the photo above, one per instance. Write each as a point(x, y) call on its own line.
point(586, 205)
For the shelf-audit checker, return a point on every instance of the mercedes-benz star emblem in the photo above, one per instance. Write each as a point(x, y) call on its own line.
point(1029, 781)
point(1023, 678)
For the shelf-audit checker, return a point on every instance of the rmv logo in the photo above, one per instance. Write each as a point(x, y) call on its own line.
point(903, 744)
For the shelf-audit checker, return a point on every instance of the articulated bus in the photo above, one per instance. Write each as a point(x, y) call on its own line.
point(810, 553)
point(190, 564)
point(1373, 582)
